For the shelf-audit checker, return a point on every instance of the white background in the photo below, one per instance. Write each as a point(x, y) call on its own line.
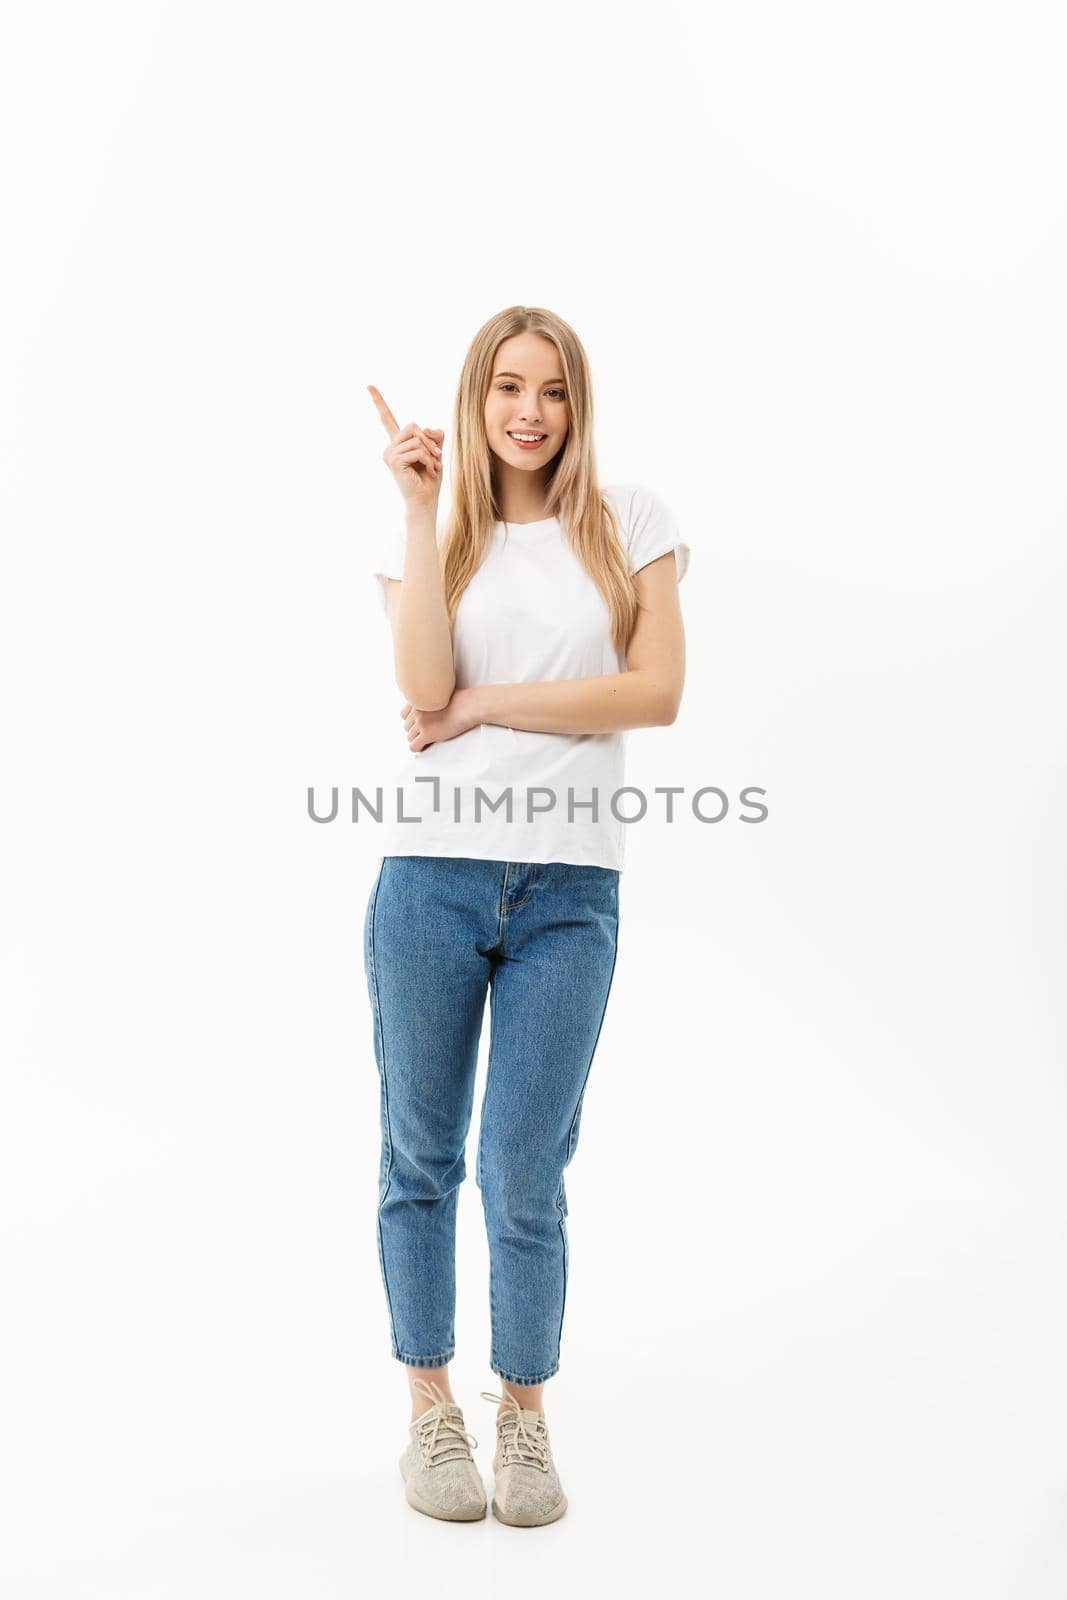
point(816, 254)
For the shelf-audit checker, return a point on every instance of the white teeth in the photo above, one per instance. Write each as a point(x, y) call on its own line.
point(528, 438)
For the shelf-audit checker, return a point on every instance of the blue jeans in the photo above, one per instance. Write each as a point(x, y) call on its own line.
point(440, 932)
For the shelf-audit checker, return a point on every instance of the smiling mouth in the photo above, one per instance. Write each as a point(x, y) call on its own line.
point(529, 442)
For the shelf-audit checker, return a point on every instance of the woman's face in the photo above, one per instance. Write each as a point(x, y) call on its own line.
point(526, 395)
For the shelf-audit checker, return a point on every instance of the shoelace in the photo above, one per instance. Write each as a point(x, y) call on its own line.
point(519, 1446)
point(440, 1434)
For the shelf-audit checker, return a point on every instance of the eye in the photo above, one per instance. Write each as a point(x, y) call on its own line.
point(559, 394)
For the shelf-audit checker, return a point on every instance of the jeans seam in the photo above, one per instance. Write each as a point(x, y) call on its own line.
point(437, 1360)
point(518, 904)
point(387, 1175)
point(523, 1377)
point(502, 909)
point(481, 1132)
point(574, 1120)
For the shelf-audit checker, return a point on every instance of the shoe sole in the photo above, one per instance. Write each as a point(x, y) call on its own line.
point(415, 1500)
point(529, 1520)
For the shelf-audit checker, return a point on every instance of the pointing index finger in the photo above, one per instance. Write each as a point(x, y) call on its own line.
point(392, 427)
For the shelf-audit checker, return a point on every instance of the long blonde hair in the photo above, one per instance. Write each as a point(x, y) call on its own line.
point(585, 514)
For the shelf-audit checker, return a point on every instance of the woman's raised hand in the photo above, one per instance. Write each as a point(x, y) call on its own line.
point(413, 455)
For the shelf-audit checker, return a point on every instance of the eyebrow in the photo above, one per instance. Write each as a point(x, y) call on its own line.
point(521, 378)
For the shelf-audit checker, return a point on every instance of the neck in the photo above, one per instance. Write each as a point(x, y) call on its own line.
point(520, 496)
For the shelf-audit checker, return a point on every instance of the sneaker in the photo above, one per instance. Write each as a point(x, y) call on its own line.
point(437, 1466)
point(527, 1491)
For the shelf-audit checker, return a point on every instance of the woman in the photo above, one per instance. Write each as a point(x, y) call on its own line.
point(547, 624)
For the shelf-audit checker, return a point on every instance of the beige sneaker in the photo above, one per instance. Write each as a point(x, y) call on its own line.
point(437, 1466)
point(527, 1491)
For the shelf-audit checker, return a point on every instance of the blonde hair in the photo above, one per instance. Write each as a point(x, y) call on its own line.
point(586, 516)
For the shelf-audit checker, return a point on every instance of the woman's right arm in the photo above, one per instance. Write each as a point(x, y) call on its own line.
point(422, 638)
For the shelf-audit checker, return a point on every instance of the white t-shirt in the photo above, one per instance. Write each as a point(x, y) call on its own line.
point(530, 614)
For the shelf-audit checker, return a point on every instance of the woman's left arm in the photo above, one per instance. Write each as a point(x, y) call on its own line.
point(646, 695)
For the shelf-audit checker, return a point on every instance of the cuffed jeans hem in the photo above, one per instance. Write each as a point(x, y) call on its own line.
point(425, 1361)
point(521, 1377)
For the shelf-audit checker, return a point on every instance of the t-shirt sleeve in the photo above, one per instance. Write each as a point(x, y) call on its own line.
point(388, 562)
point(652, 531)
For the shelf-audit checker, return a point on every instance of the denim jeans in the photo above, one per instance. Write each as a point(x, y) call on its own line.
point(440, 933)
